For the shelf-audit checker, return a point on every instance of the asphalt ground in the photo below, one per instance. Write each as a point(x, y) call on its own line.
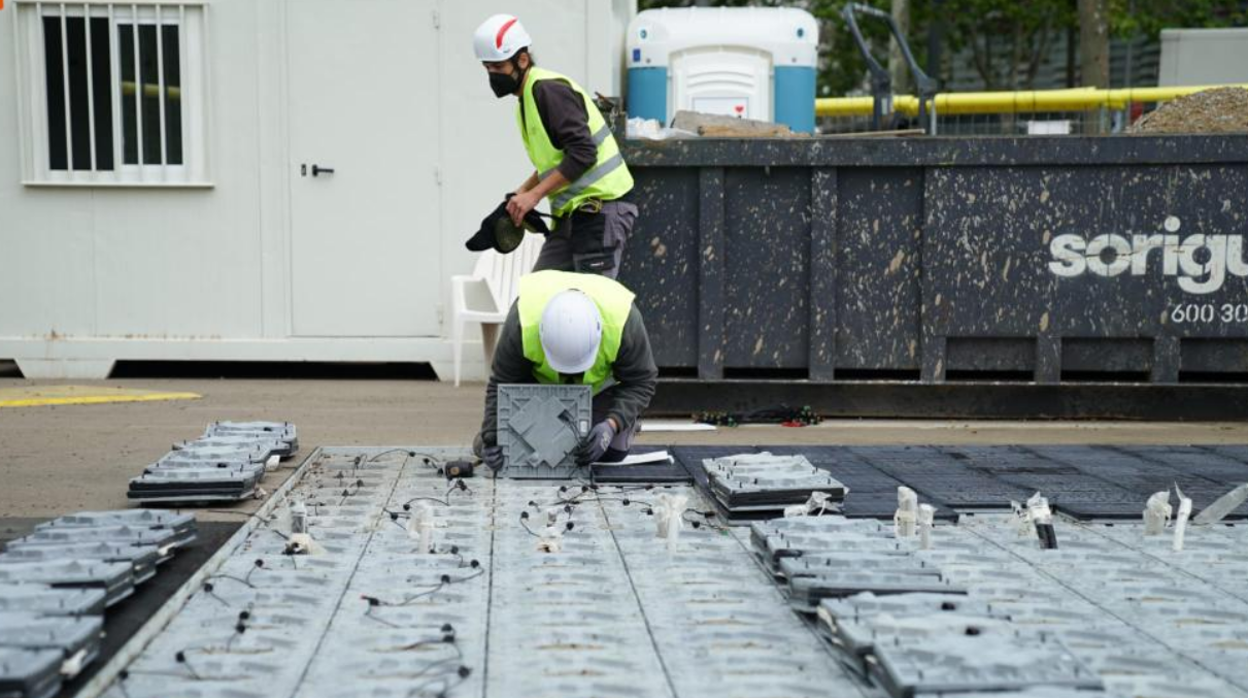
point(59, 459)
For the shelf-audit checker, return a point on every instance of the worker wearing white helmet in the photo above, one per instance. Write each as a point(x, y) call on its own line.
point(575, 328)
point(577, 163)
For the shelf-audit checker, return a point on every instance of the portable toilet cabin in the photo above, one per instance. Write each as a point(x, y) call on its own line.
point(749, 62)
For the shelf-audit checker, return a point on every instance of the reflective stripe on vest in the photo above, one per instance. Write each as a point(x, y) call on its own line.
point(599, 137)
point(586, 180)
point(614, 302)
point(607, 179)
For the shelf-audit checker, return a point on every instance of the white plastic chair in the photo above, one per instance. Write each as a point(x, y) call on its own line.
point(486, 295)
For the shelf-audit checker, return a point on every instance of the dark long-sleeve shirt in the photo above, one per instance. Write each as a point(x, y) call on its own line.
point(634, 373)
point(567, 125)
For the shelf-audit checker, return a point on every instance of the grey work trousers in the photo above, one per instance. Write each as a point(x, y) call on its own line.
point(590, 243)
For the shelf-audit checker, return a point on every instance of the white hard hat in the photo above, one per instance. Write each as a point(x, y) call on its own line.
point(499, 38)
point(571, 332)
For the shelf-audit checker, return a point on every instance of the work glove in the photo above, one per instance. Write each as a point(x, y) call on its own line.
point(492, 456)
point(498, 232)
point(595, 446)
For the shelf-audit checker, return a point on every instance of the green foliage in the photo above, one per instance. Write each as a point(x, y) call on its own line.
point(1148, 17)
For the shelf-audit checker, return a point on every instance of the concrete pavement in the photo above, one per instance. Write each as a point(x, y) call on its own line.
point(55, 459)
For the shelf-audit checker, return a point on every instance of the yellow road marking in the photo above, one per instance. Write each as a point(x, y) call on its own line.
point(69, 395)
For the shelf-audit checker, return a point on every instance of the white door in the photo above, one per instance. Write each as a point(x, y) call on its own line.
point(363, 146)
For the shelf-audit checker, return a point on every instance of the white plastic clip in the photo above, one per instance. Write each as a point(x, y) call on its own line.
point(298, 517)
point(1157, 513)
point(1180, 519)
point(907, 512)
point(1022, 520)
point(1038, 510)
point(816, 505)
point(420, 527)
point(669, 511)
point(1041, 517)
point(551, 540)
point(927, 517)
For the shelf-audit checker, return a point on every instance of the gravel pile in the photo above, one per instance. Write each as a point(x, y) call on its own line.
point(1221, 110)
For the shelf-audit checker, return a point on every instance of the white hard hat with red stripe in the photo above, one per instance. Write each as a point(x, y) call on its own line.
point(499, 38)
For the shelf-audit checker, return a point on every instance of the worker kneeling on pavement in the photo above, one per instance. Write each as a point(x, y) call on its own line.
point(568, 328)
point(577, 161)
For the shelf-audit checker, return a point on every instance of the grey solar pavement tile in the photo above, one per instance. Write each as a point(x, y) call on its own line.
point(48, 600)
point(29, 673)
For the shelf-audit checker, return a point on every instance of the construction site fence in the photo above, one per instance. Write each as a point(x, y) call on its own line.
point(1040, 112)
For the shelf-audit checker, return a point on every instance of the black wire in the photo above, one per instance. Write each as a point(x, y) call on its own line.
point(525, 522)
point(233, 578)
point(706, 515)
point(431, 665)
point(440, 640)
point(174, 674)
point(443, 502)
point(408, 452)
point(445, 581)
point(213, 594)
point(368, 613)
point(446, 687)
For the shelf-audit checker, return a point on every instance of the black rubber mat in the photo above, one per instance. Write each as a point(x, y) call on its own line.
point(658, 473)
point(1086, 482)
point(124, 620)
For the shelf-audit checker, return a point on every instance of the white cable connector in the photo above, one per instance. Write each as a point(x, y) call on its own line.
point(1022, 520)
point(420, 527)
point(927, 518)
point(551, 540)
point(298, 517)
point(1038, 510)
point(669, 517)
point(1180, 519)
point(1157, 513)
point(272, 463)
point(906, 517)
point(816, 505)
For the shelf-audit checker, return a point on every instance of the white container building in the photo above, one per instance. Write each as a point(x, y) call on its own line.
point(165, 173)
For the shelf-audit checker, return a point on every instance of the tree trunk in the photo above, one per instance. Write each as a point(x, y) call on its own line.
point(897, 68)
point(1094, 52)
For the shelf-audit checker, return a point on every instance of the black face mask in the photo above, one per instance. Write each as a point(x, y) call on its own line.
point(505, 84)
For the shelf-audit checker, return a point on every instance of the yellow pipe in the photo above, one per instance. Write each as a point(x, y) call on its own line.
point(1076, 99)
point(151, 90)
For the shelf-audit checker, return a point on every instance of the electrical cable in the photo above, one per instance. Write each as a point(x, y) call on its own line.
point(230, 577)
point(445, 581)
point(706, 515)
point(462, 673)
point(524, 521)
point(408, 504)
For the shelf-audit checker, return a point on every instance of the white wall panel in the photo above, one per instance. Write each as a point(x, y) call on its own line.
point(214, 264)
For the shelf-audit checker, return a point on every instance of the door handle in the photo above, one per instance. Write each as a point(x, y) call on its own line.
point(317, 170)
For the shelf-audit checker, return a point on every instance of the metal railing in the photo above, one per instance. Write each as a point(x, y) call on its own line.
point(1040, 112)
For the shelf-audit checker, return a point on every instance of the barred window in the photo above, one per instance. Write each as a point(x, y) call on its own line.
point(113, 93)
